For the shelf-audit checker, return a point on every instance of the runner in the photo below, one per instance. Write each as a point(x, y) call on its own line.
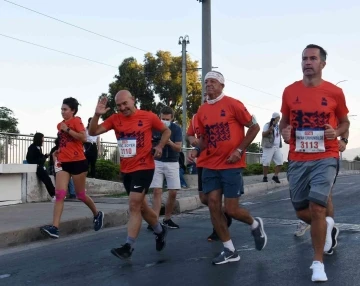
point(70, 162)
point(302, 227)
point(312, 108)
point(194, 137)
point(222, 140)
point(133, 130)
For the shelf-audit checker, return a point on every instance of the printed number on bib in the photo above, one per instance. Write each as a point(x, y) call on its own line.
point(127, 147)
point(310, 141)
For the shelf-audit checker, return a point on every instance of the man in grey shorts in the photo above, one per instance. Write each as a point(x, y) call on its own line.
point(314, 115)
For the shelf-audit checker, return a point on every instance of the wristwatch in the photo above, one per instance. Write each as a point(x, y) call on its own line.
point(68, 130)
point(345, 140)
point(240, 151)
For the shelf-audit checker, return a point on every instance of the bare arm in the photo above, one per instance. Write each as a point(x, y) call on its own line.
point(284, 122)
point(250, 134)
point(343, 127)
point(94, 127)
point(78, 135)
point(165, 136)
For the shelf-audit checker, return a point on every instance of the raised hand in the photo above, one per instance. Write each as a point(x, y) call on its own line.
point(101, 106)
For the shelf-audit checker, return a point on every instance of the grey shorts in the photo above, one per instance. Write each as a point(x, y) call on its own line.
point(311, 181)
point(230, 181)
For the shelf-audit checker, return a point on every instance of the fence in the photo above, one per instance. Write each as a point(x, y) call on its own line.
point(13, 148)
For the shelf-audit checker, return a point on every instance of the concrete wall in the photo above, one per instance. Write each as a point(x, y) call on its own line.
point(36, 191)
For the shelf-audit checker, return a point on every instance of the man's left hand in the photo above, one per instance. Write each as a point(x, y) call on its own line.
point(234, 157)
point(342, 145)
point(158, 151)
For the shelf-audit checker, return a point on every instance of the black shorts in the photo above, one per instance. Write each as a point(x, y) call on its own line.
point(138, 181)
point(75, 167)
point(199, 171)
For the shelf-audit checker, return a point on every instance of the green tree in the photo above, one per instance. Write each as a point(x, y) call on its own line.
point(254, 148)
point(8, 123)
point(159, 76)
point(357, 158)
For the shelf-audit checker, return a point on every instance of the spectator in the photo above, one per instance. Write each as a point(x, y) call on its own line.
point(91, 150)
point(35, 156)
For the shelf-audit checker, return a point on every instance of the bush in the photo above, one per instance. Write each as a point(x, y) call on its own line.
point(257, 169)
point(106, 170)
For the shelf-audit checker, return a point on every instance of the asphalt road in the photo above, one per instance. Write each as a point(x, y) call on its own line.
point(86, 260)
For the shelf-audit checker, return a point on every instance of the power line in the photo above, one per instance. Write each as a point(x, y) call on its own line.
point(114, 40)
point(75, 26)
point(54, 50)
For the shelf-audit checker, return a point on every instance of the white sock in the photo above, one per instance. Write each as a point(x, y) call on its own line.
point(255, 224)
point(229, 245)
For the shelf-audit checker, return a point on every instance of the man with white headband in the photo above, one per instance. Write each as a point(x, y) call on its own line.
point(221, 122)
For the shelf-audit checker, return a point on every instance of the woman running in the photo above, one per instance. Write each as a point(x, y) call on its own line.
point(70, 161)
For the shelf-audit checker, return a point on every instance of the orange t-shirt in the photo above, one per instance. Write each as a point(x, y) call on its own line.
point(136, 131)
point(193, 129)
point(71, 149)
point(222, 126)
point(308, 109)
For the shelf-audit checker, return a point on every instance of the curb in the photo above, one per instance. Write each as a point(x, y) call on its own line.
point(31, 234)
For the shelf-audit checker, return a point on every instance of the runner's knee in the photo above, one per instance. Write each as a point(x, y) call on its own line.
point(60, 195)
point(81, 196)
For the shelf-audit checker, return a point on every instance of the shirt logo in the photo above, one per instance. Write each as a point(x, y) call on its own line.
point(297, 101)
point(222, 113)
point(140, 123)
point(324, 101)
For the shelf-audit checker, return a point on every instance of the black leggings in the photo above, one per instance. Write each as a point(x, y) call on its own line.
point(44, 177)
point(91, 153)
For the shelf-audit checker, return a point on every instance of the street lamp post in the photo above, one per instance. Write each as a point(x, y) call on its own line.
point(183, 41)
point(341, 152)
point(206, 41)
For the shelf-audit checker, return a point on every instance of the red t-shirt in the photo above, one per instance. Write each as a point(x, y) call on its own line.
point(222, 126)
point(71, 149)
point(308, 109)
point(134, 135)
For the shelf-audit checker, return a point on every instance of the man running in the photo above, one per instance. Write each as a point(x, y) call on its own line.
point(133, 130)
point(311, 110)
point(193, 136)
point(222, 139)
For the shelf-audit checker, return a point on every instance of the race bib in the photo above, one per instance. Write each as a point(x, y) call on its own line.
point(310, 141)
point(127, 147)
point(57, 166)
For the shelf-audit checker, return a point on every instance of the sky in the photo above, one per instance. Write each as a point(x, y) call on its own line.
point(257, 46)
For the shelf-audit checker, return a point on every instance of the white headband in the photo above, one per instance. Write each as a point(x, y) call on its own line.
point(215, 75)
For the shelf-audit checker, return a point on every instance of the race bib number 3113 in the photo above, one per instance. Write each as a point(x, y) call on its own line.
point(127, 147)
point(309, 141)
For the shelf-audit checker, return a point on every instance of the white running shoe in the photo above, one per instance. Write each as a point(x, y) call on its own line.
point(328, 241)
point(301, 228)
point(319, 274)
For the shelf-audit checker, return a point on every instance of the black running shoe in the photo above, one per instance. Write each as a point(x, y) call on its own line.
point(276, 179)
point(98, 221)
point(259, 235)
point(228, 219)
point(170, 224)
point(213, 236)
point(50, 230)
point(265, 179)
point(160, 238)
point(123, 252)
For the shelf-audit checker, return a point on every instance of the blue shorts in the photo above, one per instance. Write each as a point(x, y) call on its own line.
point(230, 181)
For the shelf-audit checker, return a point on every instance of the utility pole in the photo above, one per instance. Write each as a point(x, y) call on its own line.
point(206, 42)
point(183, 41)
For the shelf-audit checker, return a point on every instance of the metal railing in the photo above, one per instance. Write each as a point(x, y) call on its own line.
point(13, 148)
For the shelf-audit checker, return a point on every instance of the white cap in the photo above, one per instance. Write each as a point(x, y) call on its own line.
point(275, 115)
